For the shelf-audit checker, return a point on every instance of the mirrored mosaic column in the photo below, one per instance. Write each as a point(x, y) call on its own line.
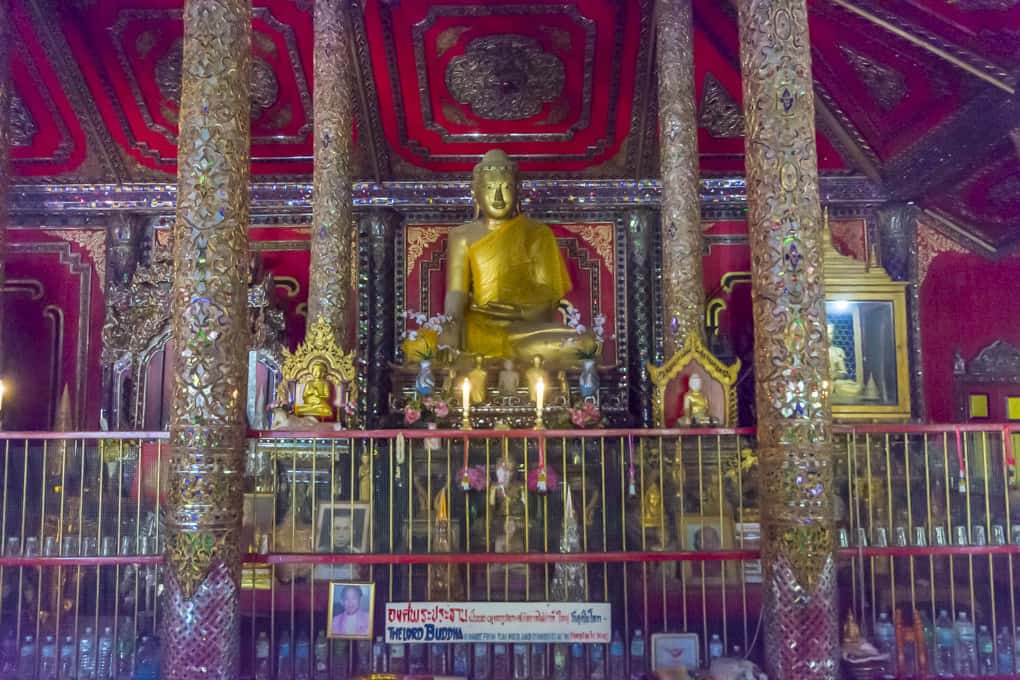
point(329, 281)
point(683, 289)
point(791, 347)
point(201, 621)
point(6, 85)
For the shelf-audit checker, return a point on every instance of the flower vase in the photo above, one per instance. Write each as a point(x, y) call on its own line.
point(588, 381)
point(432, 443)
point(425, 382)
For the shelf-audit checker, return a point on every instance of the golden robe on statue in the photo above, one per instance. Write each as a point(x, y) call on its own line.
point(518, 262)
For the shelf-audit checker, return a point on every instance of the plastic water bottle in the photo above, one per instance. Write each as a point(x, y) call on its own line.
point(284, 661)
point(522, 662)
point(966, 646)
point(637, 655)
point(379, 656)
point(48, 659)
point(1005, 658)
point(944, 645)
point(147, 667)
point(715, 648)
point(597, 662)
point(986, 651)
point(263, 666)
point(617, 662)
point(26, 661)
point(67, 657)
point(461, 660)
point(577, 665)
point(302, 657)
point(104, 655)
point(440, 664)
point(481, 661)
point(321, 653)
point(86, 655)
point(561, 661)
point(539, 662)
point(125, 647)
point(885, 640)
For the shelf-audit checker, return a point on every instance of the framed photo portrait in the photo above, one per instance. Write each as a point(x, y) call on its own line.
point(708, 533)
point(341, 527)
point(675, 651)
point(350, 610)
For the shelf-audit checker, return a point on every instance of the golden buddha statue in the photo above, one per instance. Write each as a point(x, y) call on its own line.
point(505, 276)
point(534, 375)
point(696, 405)
point(315, 395)
point(477, 378)
point(842, 386)
point(652, 516)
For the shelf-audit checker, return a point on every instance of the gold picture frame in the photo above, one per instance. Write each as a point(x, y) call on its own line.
point(708, 533)
point(350, 623)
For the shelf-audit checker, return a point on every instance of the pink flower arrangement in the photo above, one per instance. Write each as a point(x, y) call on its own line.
point(428, 410)
point(472, 478)
point(587, 415)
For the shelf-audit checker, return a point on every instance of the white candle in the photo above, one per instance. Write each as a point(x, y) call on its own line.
point(1, 395)
point(465, 389)
point(540, 393)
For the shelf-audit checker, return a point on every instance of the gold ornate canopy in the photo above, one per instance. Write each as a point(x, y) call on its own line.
point(319, 348)
point(712, 369)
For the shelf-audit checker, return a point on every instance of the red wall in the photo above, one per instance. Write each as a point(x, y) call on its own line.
point(966, 303)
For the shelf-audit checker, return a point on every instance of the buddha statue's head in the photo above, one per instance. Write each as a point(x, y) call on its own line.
point(536, 361)
point(695, 382)
point(494, 186)
point(318, 370)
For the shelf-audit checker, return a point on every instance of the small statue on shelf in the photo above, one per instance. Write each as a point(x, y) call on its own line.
point(561, 380)
point(315, 395)
point(477, 377)
point(652, 515)
point(509, 379)
point(534, 375)
point(365, 478)
point(696, 406)
point(444, 580)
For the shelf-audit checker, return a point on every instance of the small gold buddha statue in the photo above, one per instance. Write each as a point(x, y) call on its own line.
point(505, 276)
point(851, 631)
point(533, 375)
point(696, 407)
point(652, 516)
point(364, 479)
point(477, 378)
point(315, 395)
point(842, 386)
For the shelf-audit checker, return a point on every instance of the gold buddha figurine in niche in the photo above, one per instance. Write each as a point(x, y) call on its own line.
point(652, 514)
point(696, 407)
point(315, 395)
point(505, 276)
point(838, 373)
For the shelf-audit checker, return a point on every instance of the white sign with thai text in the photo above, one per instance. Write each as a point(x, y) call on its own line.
point(546, 622)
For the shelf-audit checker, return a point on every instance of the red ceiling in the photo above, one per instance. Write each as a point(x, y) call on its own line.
point(580, 94)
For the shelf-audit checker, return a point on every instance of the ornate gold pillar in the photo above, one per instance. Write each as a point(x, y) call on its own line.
point(201, 623)
point(791, 347)
point(683, 290)
point(329, 280)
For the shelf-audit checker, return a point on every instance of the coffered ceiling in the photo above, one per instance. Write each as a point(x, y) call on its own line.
point(916, 94)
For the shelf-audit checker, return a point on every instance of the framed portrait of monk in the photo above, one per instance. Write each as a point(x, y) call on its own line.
point(350, 610)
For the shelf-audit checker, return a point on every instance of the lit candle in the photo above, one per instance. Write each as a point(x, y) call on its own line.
point(539, 394)
point(1, 395)
point(465, 390)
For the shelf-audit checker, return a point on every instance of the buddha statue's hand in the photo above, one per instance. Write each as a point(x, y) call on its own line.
point(499, 310)
point(451, 336)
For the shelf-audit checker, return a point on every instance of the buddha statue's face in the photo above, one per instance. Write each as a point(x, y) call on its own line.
point(318, 370)
point(695, 383)
point(495, 192)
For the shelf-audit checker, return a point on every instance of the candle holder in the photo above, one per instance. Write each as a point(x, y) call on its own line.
point(465, 420)
point(539, 404)
point(539, 423)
